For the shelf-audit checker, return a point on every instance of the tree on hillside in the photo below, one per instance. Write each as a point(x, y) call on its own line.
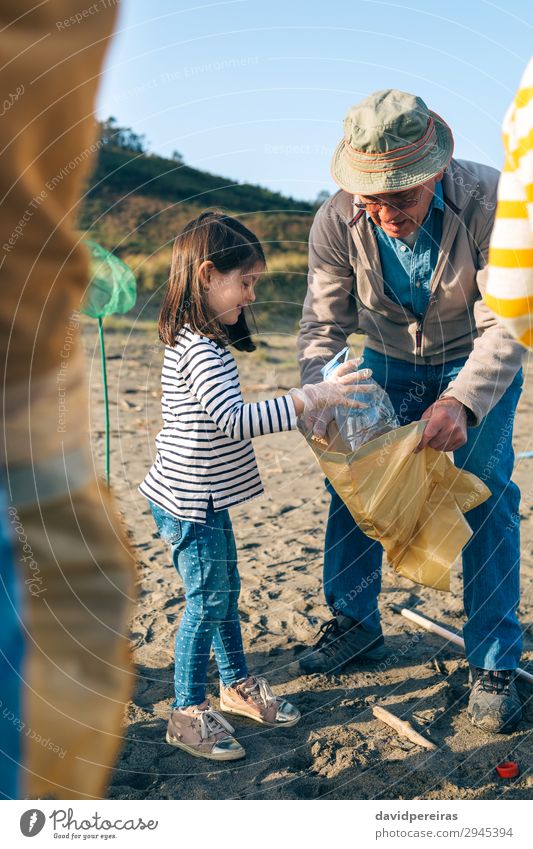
point(321, 197)
point(122, 137)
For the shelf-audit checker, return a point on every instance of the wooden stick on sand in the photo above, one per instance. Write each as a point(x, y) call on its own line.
point(404, 729)
point(449, 635)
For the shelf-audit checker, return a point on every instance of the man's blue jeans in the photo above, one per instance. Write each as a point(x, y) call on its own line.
point(205, 557)
point(491, 559)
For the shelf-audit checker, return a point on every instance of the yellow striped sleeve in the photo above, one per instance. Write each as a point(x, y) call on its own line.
point(509, 292)
point(527, 338)
point(510, 307)
point(518, 148)
point(512, 257)
point(512, 209)
point(524, 96)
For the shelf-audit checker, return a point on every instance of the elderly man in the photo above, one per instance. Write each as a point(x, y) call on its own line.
point(399, 253)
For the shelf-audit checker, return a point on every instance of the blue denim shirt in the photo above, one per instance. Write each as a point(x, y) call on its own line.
point(407, 272)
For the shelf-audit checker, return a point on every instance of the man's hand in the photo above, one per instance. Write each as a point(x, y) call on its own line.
point(446, 426)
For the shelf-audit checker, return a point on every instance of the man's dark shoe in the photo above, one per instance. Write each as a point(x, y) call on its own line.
point(494, 704)
point(342, 640)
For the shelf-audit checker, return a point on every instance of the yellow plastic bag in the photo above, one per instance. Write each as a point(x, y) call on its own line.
point(413, 504)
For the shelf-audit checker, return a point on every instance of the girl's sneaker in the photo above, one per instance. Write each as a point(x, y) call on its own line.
point(203, 733)
point(254, 698)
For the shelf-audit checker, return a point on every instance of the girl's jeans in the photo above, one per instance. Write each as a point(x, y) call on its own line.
point(491, 559)
point(205, 557)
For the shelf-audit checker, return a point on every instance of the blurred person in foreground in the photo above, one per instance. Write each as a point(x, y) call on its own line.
point(62, 730)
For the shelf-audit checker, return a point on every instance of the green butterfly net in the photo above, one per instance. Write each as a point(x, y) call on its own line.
point(112, 289)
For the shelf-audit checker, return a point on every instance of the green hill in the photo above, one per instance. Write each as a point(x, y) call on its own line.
point(136, 203)
point(125, 172)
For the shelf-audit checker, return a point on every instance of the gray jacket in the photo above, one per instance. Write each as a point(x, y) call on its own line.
point(346, 294)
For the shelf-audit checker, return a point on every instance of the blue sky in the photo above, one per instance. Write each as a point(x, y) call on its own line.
point(256, 90)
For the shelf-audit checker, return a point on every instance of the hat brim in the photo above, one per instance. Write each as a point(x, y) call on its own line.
point(349, 178)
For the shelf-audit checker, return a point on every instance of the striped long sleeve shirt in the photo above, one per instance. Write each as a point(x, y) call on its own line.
point(510, 283)
point(204, 449)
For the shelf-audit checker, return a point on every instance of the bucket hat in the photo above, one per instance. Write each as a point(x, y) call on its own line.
point(392, 141)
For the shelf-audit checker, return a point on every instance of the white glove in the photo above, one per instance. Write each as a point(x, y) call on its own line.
point(316, 423)
point(335, 391)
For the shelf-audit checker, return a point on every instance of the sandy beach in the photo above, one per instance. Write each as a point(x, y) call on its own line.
point(339, 750)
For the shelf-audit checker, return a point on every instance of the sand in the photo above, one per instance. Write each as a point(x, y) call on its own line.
point(338, 750)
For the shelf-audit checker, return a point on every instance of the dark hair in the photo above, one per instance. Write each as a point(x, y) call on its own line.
point(228, 244)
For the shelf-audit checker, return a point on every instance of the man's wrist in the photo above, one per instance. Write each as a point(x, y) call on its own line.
point(470, 417)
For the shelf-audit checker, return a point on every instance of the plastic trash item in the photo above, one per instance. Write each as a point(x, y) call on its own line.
point(360, 426)
point(413, 504)
point(508, 769)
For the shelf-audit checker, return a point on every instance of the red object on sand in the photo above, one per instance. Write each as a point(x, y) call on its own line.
point(508, 769)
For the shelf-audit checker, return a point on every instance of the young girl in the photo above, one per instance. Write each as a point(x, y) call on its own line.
point(205, 464)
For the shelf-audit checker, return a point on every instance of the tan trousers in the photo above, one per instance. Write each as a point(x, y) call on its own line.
point(77, 570)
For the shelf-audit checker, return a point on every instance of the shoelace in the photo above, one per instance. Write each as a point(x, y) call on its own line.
point(494, 681)
point(261, 689)
point(212, 722)
point(329, 630)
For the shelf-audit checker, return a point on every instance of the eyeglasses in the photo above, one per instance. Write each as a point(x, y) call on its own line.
point(375, 204)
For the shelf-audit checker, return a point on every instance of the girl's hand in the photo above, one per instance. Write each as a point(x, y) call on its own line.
point(316, 423)
point(334, 391)
point(350, 367)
